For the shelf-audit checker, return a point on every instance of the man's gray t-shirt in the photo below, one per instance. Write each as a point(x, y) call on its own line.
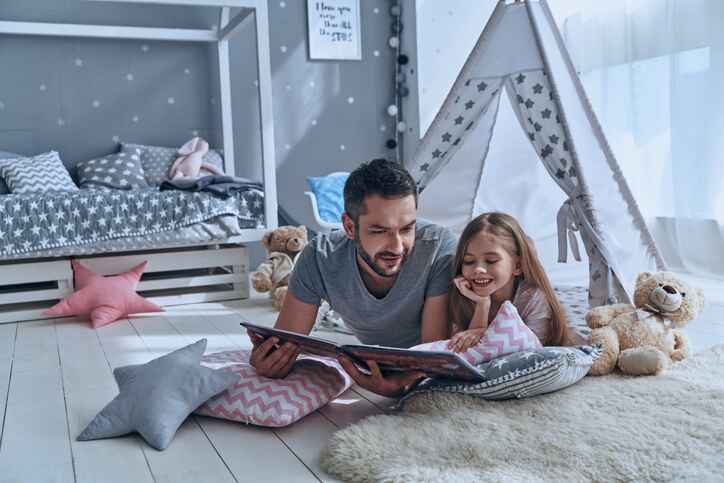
point(327, 269)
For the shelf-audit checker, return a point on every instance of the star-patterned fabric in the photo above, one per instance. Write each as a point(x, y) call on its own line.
point(33, 223)
point(534, 102)
point(473, 99)
point(218, 228)
point(118, 171)
point(157, 160)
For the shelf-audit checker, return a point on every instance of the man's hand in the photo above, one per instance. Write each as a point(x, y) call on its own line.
point(466, 339)
point(390, 386)
point(271, 361)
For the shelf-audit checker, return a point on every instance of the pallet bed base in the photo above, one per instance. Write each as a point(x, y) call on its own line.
point(172, 277)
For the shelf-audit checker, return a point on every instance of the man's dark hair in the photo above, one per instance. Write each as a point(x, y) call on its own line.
point(377, 177)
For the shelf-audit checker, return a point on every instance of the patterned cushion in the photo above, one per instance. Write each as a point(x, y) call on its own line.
point(157, 160)
point(254, 399)
point(38, 174)
point(523, 374)
point(506, 334)
point(5, 155)
point(118, 171)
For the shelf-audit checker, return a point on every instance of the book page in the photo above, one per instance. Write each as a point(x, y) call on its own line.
point(439, 364)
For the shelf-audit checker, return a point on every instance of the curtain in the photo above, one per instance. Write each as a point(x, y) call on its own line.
point(654, 71)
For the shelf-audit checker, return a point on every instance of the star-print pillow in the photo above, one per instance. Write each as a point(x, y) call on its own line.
point(157, 160)
point(119, 171)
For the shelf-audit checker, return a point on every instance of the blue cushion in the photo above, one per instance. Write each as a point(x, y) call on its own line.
point(330, 198)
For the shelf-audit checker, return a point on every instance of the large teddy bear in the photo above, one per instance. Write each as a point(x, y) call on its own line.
point(643, 340)
point(282, 245)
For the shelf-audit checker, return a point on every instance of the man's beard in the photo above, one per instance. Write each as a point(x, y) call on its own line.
point(371, 263)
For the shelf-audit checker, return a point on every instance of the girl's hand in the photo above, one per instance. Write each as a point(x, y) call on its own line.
point(466, 289)
point(464, 340)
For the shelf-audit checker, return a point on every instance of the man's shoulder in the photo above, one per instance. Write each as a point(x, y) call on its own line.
point(330, 245)
point(432, 232)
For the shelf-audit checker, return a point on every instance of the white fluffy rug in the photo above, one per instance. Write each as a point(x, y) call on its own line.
point(612, 428)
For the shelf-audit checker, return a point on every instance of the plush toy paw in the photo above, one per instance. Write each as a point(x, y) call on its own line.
point(602, 316)
point(261, 282)
point(642, 361)
point(606, 362)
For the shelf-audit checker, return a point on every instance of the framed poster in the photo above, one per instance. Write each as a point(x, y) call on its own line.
point(334, 29)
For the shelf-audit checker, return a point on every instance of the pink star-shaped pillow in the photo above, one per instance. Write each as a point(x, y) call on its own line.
point(105, 299)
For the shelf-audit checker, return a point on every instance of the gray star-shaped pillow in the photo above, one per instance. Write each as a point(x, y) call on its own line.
point(156, 397)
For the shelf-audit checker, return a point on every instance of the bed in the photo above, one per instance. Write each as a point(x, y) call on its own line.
point(197, 250)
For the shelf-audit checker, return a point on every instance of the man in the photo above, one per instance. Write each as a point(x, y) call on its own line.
point(387, 275)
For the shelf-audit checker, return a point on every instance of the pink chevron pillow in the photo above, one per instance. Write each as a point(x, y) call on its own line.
point(506, 334)
point(254, 399)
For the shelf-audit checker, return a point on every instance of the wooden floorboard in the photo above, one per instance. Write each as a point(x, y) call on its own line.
point(89, 386)
point(7, 351)
point(36, 444)
point(190, 457)
point(55, 376)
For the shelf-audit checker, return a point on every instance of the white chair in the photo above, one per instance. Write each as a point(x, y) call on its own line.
point(327, 319)
point(318, 224)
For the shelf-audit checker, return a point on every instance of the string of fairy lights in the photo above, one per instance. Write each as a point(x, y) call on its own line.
point(394, 110)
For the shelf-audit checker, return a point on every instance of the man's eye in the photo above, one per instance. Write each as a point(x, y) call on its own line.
point(490, 262)
point(376, 232)
point(468, 262)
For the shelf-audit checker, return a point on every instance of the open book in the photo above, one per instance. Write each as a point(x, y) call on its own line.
point(432, 363)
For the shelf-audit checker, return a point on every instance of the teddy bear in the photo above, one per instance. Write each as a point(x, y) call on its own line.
point(283, 245)
point(642, 339)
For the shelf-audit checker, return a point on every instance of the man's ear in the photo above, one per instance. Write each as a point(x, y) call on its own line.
point(348, 225)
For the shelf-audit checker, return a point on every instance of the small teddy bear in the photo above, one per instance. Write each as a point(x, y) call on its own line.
point(282, 245)
point(642, 340)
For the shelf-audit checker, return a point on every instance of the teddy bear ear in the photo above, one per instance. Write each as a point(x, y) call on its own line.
point(302, 229)
point(266, 239)
point(642, 277)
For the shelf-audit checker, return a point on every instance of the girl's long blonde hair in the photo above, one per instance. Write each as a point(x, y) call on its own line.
point(516, 243)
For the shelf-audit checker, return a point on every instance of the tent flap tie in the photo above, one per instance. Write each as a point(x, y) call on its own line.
point(567, 228)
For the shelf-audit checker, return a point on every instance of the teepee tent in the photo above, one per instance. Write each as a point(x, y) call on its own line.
point(519, 88)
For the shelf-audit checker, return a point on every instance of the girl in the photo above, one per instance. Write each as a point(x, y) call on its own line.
point(495, 262)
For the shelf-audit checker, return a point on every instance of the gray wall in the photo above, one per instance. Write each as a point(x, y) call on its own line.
point(81, 96)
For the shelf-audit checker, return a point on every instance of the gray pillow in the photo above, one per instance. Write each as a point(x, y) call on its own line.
point(118, 171)
point(523, 374)
point(5, 155)
point(156, 397)
point(36, 174)
point(157, 160)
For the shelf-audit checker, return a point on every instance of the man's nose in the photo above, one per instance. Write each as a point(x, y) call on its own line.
point(481, 268)
point(396, 243)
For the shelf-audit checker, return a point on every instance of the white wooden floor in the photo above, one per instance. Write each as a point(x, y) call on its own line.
point(56, 375)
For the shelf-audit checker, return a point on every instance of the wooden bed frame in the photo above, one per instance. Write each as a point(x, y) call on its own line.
point(197, 272)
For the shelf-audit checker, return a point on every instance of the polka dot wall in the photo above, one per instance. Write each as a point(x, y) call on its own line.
point(84, 96)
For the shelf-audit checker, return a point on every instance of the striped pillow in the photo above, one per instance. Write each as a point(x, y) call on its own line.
point(523, 374)
point(37, 174)
point(254, 399)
